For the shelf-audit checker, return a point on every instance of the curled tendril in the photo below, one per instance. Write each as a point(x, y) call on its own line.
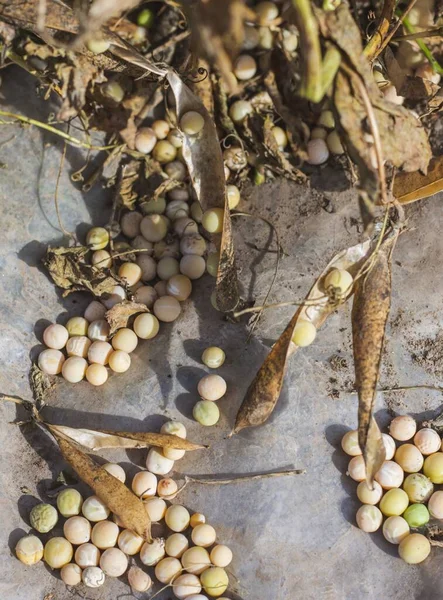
point(200, 76)
point(225, 144)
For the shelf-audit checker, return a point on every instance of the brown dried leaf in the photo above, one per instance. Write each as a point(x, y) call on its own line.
point(26, 14)
point(370, 313)
point(410, 187)
point(204, 160)
point(263, 393)
point(418, 88)
point(68, 270)
point(128, 176)
point(117, 497)
point(119, 315)
point(96, 439)
point(404, 141)
point(40, 384)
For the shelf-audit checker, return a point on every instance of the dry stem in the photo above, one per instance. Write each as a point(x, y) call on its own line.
point(65, 136)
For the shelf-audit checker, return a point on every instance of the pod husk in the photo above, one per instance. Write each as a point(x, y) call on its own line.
point(263, 393)
point(370, 313)
point(95, 439)
point(117, 497)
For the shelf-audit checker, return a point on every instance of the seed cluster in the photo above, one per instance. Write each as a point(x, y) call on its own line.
point(404, 488)
point(210, 388)
point(94, 545)
point(161, 254)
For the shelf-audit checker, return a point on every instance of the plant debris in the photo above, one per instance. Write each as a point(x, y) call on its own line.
point(69, 271)
point(410, 187)
point(370, 313)
point(264, 391)
point(117, 497)
point(119, 315)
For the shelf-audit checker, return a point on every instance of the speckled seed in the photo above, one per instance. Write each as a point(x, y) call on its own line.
point(212, 387)
point(148, 267)
point(55, 336)
point(130, 224)
point(164, 152)
point(427, 441)
point(146, 326)
point(146, 294)
point(193, 243)
point(167, 309)
point(119, 361)
point(168, 487)
point(99, 352)
point(131, 272)
point(192, 266)
point(51, 361)
point(167, 267)
point(160, 288)
point(97, 374)
point(74, 369)
point(95, 311)
point(176, 170)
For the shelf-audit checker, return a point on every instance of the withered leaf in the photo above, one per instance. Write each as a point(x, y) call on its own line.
point(410, 187)
point(96, 439)
point(40, 384)
point(418, 88)
point(370, 313)
point(117, 497)
point(119, 315)
point(403, 139)
point(68, 270)
point(264, 391)
point(204, 160)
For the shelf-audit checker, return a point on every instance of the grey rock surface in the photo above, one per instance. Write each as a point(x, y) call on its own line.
point(292, 538)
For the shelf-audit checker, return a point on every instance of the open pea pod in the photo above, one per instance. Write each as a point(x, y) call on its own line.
point(204, 160)
point(264, 391)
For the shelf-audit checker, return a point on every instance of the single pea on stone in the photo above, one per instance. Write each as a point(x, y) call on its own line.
point(416, 515)
point(43, 517)
point(206, 413)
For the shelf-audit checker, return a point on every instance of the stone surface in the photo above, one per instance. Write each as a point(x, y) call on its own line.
point(291, 537)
